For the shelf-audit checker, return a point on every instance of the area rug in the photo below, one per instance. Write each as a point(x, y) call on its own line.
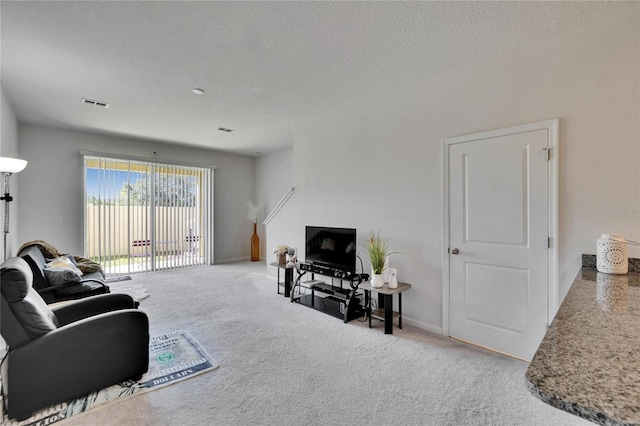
point(128, 286)
point(173, 357)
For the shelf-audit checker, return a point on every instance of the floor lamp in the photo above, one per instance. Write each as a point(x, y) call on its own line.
point(8, 166)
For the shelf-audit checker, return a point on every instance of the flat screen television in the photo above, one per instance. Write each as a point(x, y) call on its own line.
point(331, 247)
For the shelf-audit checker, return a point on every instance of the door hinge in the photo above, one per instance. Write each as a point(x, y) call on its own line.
point(544, 153)
point(548, 242)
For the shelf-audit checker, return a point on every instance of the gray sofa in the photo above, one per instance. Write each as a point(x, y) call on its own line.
point(90, 284)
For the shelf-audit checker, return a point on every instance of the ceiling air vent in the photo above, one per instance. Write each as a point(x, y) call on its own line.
point(94, 103)
point(224, 129)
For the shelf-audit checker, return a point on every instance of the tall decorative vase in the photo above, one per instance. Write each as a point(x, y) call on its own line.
point(255, 244)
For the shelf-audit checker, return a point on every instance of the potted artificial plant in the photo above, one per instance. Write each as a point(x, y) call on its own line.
point(281, 251)
point(378, 250)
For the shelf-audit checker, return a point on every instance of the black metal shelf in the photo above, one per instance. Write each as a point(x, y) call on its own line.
point(338, 301)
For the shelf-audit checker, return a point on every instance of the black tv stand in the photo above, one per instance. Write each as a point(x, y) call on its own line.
point(340, 301)
point(331, 289)
point(327, 271)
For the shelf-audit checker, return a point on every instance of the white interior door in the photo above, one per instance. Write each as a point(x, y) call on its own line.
point(499, 230)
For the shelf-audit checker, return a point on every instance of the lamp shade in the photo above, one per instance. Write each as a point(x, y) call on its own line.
point(11, 165)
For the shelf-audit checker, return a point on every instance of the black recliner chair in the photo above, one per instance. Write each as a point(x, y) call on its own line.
point(91, 284)
point(56, 355)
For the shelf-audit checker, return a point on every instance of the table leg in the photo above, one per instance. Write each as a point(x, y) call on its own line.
point(388, 314)
point(278, 282)
point(367, 303)
point(400, 311)
point(288, 277)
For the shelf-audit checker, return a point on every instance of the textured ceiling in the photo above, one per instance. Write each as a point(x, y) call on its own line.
point(264, 66)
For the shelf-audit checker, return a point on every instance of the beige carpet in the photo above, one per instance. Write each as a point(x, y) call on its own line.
point(285, 364)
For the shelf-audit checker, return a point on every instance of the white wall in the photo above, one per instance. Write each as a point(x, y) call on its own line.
point(9, 148)
point(377, 165)
point(274, 178)
point(51, 186)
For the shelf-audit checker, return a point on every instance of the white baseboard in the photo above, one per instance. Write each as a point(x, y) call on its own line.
point(231, 260)
point(422, 325)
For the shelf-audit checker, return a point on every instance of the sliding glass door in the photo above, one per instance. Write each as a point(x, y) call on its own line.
point(145, 216)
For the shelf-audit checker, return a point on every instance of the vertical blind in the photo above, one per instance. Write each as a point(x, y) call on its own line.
point(145, 216)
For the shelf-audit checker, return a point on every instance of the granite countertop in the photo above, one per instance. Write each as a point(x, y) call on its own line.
point(589, 361)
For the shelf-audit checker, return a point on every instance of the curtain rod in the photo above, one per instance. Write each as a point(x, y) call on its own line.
point(148, 160)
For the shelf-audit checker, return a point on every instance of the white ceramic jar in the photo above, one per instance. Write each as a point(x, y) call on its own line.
point(612, 254)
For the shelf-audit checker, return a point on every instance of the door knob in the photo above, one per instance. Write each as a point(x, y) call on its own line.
point(455, 251)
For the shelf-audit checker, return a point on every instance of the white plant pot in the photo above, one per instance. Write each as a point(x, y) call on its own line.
point(377, 281)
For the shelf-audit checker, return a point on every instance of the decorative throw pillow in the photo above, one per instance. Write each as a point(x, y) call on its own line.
point(62, 271)
point(59, 277)
point(63, 262)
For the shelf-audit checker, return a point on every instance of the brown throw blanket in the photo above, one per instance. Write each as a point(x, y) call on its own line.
point(50, 252)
